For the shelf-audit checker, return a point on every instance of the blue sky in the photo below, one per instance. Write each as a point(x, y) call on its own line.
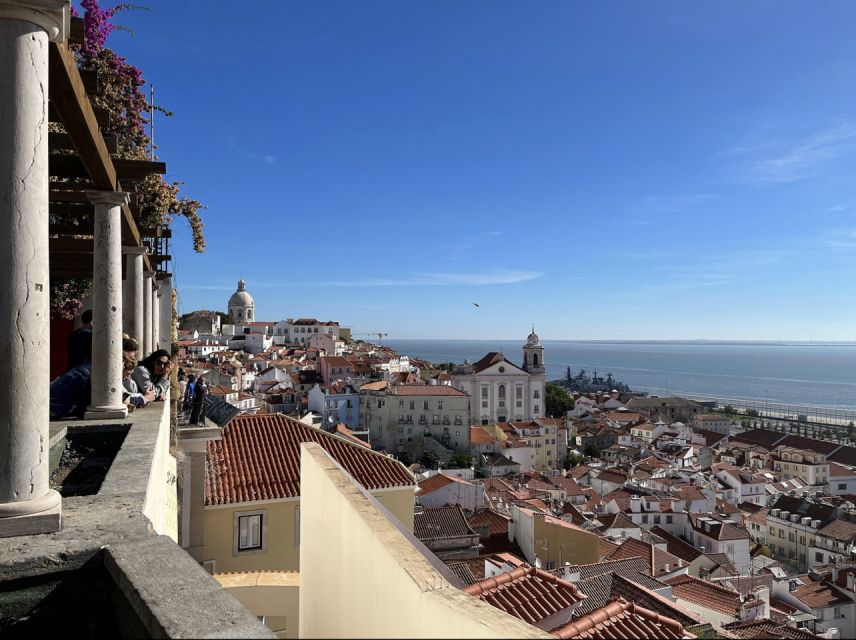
point(623, 170)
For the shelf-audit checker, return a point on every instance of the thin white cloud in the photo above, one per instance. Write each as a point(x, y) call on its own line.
point(777, 162)
point(840, 239)
point(499, 276)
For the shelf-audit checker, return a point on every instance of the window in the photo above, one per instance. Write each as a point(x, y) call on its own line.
point(772, 531)
point(537, 394)
point(842, 486)
point(669, 519)
point(536, 409)
point(436, 420)
point(458, 420)
point(484, 392)
point(550, 565)
point(440, 405)
point(425, 405)
point(519, 403)
point(656, 519)
point(518, 393)
point(645, 518)
point(412, 405)
point(250, 532)
point(502, 391)
point(818, 556)
point(836, 612)
point(484, 404)
point(781, 533)
point(400, 403)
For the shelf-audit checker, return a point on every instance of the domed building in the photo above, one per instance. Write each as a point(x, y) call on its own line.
point(242, 307)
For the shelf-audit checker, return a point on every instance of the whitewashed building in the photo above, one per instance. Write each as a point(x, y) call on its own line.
point(500, 390)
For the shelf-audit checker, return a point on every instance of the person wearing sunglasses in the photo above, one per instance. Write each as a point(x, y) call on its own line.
point(153, 374)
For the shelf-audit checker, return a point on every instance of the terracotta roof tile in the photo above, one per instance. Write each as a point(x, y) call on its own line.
point(479, 436)
point(527, 593)
point(767, 629)
point(437, 481)
point(659, 561)
point(608, 586)
point(259, 459)
point(622, 619)
point(497, 522)
point(705, 594)
point(441, 523)
point(817, 595)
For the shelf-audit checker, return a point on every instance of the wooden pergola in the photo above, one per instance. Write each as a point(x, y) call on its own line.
point(83, 158)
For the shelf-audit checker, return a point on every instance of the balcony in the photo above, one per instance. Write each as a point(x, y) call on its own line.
point(114, 568)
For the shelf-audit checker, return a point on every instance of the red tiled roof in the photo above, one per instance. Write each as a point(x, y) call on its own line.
point(767, 629)
point(497, 522)
point(622, 619)
point(259, 459)
point(438, 481)
point(527, 593)
point(479, 436)
point(817, 595)
point(441, 523)
point(488, 360)
point(705, 594)
point(657, 558)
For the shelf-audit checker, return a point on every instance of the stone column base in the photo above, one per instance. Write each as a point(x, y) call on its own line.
point(31, 517)
point(106, 413)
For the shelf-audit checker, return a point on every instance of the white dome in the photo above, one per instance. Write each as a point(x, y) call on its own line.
point(242, 297)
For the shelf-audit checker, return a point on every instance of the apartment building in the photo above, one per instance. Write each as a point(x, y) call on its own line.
point(809, 466)
point(792, 526)
point(402, 417)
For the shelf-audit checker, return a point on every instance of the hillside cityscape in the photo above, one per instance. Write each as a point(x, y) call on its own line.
point(177, 461)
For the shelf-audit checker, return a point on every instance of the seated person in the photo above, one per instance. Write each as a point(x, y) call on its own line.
point(71, 393)
point(79, 343)
point(132, 395)
point(153, 374)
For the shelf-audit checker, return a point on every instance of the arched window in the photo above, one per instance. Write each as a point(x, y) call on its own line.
point(240, 314)
point(249, 314)
point(535, 359)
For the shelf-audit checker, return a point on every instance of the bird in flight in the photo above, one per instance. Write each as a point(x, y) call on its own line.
point(476, 304)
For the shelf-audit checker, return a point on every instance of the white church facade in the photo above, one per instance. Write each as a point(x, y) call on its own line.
point(501, 391)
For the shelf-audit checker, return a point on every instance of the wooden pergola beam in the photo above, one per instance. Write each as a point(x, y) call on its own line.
point(66, 166)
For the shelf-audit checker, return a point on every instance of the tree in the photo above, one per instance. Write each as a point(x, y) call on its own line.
point(429, 460)
point(572, 460)
point(558, 401)
point(460, 461)
point(405, 458)
point(592, 451)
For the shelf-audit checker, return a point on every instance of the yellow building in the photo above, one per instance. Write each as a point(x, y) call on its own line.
point(251, 519)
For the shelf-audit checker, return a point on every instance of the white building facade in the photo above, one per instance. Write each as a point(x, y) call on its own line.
point(501, 391)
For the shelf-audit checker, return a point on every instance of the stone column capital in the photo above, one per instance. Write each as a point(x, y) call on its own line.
point(134, 250)
point(54, 16)
point(116, 198)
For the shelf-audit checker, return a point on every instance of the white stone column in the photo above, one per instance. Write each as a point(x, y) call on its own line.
point(165, 291)
point(27, 503)
point(147, 313)
point(107, 307)
point(133, 310)
point(155, 316)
